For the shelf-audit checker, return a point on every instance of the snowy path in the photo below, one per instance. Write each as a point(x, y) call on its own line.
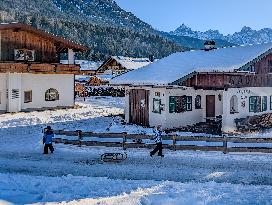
point(76, 173)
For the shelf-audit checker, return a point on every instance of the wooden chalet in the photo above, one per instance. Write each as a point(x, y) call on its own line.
point(30, 69)
point(188, 88)
point(116, 65)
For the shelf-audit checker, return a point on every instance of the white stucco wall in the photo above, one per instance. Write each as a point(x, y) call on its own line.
point(39, 83)
point(243, 95)
point(175, 120)
point(3, 90)
point(14, 82)
point(196, 115)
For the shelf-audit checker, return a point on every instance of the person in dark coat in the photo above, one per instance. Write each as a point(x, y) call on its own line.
point(158, 139)
point(47, 140)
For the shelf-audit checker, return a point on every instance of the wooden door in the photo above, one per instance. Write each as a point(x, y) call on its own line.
point(210, 105)
point(139, 107)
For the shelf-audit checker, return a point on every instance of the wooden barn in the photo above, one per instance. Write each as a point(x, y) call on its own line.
point(116, 65)
point(31, 76)
point(188, 88)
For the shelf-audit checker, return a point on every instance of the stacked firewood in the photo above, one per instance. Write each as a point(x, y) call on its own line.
point(256, 122)
point(261, 121)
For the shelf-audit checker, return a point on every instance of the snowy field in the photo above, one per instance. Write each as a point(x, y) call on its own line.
point(75, 175)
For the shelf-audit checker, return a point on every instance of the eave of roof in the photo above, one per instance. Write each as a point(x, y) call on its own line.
point(56, 39)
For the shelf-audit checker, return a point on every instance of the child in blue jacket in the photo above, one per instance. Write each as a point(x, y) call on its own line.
point(47, 140)
point(158, 139)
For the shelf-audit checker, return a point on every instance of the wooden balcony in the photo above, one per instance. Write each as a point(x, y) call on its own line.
point(42, 68)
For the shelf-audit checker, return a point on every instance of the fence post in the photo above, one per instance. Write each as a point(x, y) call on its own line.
point(124, 140)
point(79, 134)
point(174, 142)
point(225, 144)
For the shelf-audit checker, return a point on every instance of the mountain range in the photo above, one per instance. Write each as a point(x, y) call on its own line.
point(108, 30)
point(247, 35)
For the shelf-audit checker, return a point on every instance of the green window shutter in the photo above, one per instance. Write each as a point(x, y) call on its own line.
point(270, 102)
point(189, 103)
point(264, 103)
point(252, 103)
point(256, 103)
point(172, 104)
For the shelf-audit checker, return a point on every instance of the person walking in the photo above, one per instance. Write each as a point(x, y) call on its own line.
point(47, 140)
point(158, 139)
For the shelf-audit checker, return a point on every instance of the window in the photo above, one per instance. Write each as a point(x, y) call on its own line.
point(233, 104)
point(157, 105)
point(270, 66)
point(252, 68)
point(198, 102)
point(189, 106)
point(28, 96)
point(178, 104)
point(255, 104)
point(264, 103)
point(51, 95)
point(24, 55)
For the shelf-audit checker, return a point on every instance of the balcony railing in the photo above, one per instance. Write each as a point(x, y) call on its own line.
point(53, 68)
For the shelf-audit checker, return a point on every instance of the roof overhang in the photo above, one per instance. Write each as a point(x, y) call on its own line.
point(58, 41)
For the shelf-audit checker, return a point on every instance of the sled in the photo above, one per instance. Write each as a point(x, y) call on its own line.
point(113, 157)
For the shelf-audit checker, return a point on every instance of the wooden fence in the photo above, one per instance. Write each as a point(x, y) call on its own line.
point(131, 141)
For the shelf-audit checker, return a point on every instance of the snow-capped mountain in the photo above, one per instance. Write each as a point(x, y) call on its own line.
point(184, 30)
point(245, 36)
point(101, 25)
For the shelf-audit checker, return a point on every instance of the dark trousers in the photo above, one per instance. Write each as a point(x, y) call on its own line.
point(46, 146)
point(157, 148)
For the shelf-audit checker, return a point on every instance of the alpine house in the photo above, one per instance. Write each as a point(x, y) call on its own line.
point(31, 76)
point(196, 86)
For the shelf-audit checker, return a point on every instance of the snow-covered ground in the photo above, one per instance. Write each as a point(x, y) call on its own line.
point(75, 175)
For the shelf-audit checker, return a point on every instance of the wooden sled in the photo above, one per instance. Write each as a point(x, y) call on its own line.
point(113, 157)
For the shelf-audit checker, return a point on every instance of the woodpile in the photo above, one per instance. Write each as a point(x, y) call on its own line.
point(261, 121)
point(256, 122)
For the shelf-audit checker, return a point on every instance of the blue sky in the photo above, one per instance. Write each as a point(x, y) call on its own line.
point(228, 16)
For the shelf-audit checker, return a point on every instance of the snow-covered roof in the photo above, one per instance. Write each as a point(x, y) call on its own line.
point(85, 64)
point(82, 78)
point(131, 63)
point(179, 65)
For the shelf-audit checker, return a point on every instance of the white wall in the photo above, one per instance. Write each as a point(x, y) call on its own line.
point(39, 83)
point(196, 115)
point(243, 95)
point(3, 91)
point(175, 120)
point(14, 82)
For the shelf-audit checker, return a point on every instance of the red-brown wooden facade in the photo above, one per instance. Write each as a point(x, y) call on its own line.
point(47, 49)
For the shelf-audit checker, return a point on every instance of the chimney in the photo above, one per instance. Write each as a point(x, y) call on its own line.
point(151, 58)
point(209, 45)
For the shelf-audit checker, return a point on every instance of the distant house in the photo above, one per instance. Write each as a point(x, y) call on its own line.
point(86, 67)
point(116, 65)
point(195, 86)
point(31, 76)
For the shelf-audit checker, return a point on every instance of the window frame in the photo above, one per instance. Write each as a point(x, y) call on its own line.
point(270, 102)
point(159, 110)
point(30, 100)
point(257, 104)
point(189, 103)
point(48, 95)
point(199, 105)
point(269, 66)
point(180, 104)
